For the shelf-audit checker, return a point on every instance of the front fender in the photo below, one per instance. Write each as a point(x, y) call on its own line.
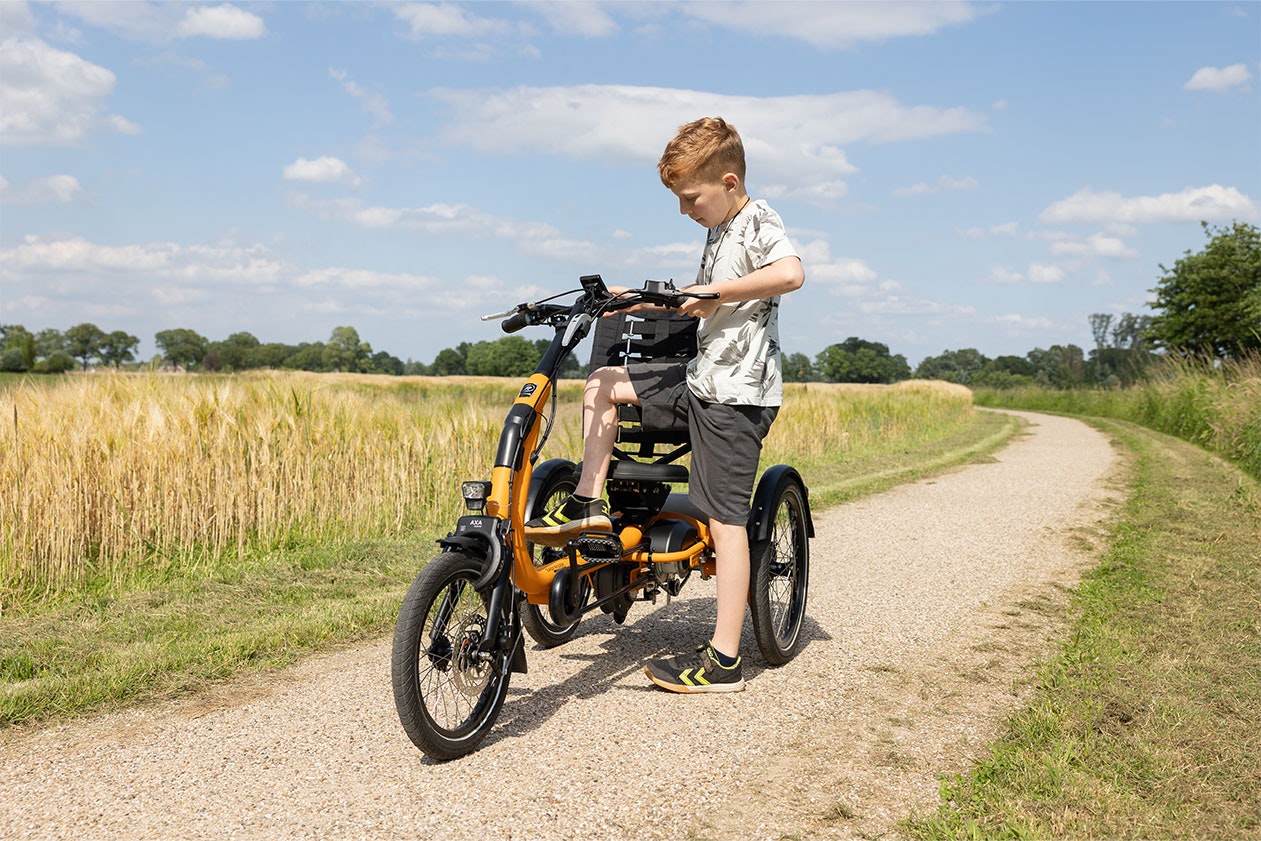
point(760, 520)
point(478, 537)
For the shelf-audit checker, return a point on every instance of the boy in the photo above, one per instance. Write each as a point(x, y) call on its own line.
point(730, 393)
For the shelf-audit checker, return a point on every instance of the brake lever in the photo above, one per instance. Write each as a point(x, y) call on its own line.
point(498, 315)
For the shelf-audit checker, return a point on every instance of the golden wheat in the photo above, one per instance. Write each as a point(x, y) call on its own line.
point(107, 477)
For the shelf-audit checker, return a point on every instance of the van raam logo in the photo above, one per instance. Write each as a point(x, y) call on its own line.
point(528, 389)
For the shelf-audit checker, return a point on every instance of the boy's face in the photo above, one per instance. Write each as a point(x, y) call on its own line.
point(709, 202)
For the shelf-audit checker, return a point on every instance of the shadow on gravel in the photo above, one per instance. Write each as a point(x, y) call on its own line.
point(624, 651)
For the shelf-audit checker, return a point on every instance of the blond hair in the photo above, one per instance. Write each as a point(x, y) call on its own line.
point(704, 149)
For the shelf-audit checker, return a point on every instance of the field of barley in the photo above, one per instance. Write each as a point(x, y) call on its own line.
point(113, 478)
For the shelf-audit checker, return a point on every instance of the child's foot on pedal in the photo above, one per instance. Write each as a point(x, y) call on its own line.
point(699, 672)
point(569, 519)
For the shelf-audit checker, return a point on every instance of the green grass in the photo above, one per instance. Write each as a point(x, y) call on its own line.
point(1216, 406)
point(1148, 723)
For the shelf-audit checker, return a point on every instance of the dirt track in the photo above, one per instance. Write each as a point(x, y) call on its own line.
point(927, 605)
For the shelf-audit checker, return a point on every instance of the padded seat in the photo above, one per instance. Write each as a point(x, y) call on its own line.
point(638, 471)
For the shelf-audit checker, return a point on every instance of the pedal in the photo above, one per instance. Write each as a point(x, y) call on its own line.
point(598, 547)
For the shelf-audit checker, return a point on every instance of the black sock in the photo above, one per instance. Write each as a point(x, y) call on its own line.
point(723, 660)
point(577, 505)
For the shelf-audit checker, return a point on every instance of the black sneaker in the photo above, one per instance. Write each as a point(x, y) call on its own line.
point(569, 519)
point(699, 672)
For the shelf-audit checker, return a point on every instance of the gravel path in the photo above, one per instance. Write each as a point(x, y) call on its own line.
point(927, 604)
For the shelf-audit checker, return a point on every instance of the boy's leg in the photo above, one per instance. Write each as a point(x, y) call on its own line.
point(731, 547)
point(606, 389)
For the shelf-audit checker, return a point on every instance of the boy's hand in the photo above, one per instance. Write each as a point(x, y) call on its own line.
point(700, 307)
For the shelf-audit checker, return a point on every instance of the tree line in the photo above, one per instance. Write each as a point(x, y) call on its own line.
point(1208, 304)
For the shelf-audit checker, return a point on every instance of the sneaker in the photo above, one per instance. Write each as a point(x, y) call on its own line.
point(569, 519)
point(700, 672)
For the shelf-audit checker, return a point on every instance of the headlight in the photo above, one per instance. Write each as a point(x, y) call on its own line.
point(475, 494)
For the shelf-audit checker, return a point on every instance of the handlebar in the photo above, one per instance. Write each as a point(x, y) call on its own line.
point(595, 301)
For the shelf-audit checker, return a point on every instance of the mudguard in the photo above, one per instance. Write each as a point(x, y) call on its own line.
point(478, 537)
point(543, 474)
point(764, 498)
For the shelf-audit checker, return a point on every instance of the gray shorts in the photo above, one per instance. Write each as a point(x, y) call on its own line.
point(726, 440)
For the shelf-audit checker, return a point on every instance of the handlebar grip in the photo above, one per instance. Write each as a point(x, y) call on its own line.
point(515, 322)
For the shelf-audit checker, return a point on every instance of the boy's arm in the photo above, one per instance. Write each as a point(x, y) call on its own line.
point(779, 278)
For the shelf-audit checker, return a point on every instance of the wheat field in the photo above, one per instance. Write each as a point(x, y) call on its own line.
point(112, 477)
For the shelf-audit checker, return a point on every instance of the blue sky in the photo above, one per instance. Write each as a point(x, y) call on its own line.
point(954, 175)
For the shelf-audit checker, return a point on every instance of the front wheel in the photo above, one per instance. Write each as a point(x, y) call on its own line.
point(448, 689)
point(780, 575)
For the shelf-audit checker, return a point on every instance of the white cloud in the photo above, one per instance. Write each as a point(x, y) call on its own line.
point(834, 24)
point(1024, 322)
point(428, 20)
point(794, 143)
point(52, 97)
point(67, 258)
point(576, 17)
point(1192, 204)
point(1044, 273)
point(225, 22)
point(324, 170)
point(1005, 276)
point(53, 188)
point(365, 279)
point(1218, 79)
point(944, 184)
point(1095, 245)
point(374, 103)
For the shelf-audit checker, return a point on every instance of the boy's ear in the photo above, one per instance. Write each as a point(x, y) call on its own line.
point(730, 182)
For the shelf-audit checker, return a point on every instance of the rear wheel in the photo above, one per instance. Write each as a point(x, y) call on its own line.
point(780, 576)
point(448, 690)
point(559, 479)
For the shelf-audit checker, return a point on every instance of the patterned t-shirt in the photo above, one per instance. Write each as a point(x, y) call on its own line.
point(737, 361)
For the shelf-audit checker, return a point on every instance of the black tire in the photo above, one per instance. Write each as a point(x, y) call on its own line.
point(780, 576)
point(558, 481)
point(447, 702)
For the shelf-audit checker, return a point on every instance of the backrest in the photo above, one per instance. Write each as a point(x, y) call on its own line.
point(625, 338)
point(622, 338)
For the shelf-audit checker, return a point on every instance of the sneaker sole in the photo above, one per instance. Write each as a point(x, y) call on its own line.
point(559, 535)
point(701, 689)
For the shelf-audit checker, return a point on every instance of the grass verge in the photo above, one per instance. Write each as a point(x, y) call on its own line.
point(1147, 723)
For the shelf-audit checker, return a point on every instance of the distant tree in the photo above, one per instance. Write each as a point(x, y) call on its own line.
point(345, 352)
point(1130, 331)
point(955, 366)
point(1208, 302)
point(118, 347)
point(412, 368)
point(18, 346)
point(57, 362)
point(449, 362)
point(236, 353)
point(860, 361)
point(511, 356)
point(182, 347)
point(84, 342)
point(1060, 366)
point(13, 360)
point(384, 363)
point(307, 356)
point(271, 355)
point(49, 341)
point(797, 368)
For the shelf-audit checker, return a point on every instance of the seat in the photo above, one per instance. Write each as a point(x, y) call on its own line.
point(645, 454)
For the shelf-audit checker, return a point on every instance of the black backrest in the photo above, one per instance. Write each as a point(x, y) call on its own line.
point(622, 339)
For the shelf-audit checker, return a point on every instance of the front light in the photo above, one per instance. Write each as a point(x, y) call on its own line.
point(475, 494)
